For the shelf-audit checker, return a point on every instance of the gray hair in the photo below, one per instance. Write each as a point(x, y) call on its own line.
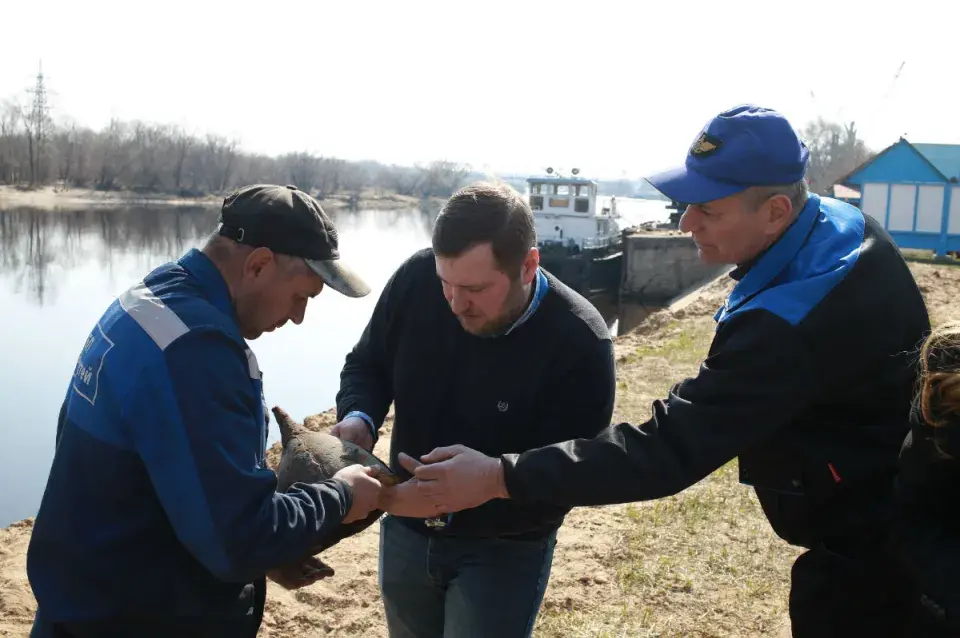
point(797, 192)
point(223, 250)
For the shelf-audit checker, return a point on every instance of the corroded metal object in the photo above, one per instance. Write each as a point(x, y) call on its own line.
point(314, 457)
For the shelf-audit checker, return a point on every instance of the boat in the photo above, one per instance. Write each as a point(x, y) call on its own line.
point(579, 242)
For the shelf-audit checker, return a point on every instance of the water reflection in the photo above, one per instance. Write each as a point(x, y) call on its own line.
point(39, 247)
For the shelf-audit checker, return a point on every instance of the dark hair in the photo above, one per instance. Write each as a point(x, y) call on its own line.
point(486, 212)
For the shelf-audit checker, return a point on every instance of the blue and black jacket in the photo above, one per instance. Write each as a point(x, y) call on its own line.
point(808, 381)
point(160, 516)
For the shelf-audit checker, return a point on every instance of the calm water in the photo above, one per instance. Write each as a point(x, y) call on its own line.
point(60, 270)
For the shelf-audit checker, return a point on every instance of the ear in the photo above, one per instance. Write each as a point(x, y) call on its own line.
point(778, 212)
point(529, 269)
point(259, 262)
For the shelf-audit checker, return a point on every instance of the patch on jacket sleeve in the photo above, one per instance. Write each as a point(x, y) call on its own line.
point(86, 377)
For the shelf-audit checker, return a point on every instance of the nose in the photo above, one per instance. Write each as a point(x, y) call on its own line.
point(459, 300)
point(690, 219)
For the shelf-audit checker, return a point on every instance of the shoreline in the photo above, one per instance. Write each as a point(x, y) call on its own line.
point(48, 198)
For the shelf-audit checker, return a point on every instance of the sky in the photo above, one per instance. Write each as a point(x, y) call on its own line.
point(613, 88)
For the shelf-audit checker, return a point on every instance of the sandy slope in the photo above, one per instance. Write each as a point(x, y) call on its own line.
point(670, 567)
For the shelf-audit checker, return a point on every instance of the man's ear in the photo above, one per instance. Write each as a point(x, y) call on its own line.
point(529, 269)
point(259, 262)
point(779, 213)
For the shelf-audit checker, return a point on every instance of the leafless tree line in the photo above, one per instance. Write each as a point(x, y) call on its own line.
point(37, 149)
point(835, 151)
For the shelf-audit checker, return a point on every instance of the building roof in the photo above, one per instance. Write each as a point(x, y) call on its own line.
point(945, 157)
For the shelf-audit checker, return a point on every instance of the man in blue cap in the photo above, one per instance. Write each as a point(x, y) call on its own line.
point(808, 382)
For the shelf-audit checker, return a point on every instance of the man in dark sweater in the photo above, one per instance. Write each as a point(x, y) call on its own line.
point(473, 341)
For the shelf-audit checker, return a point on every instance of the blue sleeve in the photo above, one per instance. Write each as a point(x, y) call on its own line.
point(195, 419)
point(374, 432)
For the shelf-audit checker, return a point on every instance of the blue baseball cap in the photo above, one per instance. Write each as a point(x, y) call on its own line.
point(745, 146)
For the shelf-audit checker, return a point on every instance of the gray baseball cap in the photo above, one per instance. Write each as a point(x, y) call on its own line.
point(290, 222)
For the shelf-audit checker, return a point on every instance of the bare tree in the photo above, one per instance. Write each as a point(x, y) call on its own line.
point(183, 145)
point(65, 146)
point(9, 139)
point(835, 150)
point(441, 178)
point(301, 170)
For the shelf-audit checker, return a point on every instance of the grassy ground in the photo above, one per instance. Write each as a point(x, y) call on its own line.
point(701, 563)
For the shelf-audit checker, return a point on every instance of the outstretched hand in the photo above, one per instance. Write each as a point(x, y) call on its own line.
point(455, 478)
point(408, 500)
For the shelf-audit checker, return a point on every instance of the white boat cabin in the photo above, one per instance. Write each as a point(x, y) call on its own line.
point(565, 212)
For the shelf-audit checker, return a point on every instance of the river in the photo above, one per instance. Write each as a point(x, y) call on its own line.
point(60, 269)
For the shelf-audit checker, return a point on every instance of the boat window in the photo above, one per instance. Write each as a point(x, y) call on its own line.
point(536, 202)
point(536, 189)
point(559, 202)
point(562, 189)
point(582, 190)
point(581, 205)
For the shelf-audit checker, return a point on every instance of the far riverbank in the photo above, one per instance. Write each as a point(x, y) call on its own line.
point(50, 198)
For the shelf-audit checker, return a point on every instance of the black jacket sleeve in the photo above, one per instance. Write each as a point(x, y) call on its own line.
point(758, 377)
point(366, 378)
point(926, 522)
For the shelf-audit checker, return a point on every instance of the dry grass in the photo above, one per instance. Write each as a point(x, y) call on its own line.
point(701, 563)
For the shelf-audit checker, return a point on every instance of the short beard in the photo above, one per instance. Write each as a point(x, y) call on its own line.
point(514, 306)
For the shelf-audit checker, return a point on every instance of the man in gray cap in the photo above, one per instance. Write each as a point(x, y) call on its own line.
point(160, 516)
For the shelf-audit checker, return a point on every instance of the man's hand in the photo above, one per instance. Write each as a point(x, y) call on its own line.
point(300, 573)
point(407, 499)
point(365, 488)
point(355, 430)
point(456, 478)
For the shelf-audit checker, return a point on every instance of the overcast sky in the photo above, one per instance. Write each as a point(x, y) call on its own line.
point(609, 87)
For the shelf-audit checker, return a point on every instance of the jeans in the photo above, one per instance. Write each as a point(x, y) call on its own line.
point(461, 587)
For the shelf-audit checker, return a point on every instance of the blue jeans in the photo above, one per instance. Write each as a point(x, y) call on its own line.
point(461, 587)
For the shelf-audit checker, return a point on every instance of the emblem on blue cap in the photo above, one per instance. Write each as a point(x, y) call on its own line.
point(705, 145)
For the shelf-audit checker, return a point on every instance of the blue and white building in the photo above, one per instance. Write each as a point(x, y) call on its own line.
point(914, 191)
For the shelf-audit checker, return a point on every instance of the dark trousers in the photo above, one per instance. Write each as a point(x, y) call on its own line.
point(848, 590)
point(436, 587)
